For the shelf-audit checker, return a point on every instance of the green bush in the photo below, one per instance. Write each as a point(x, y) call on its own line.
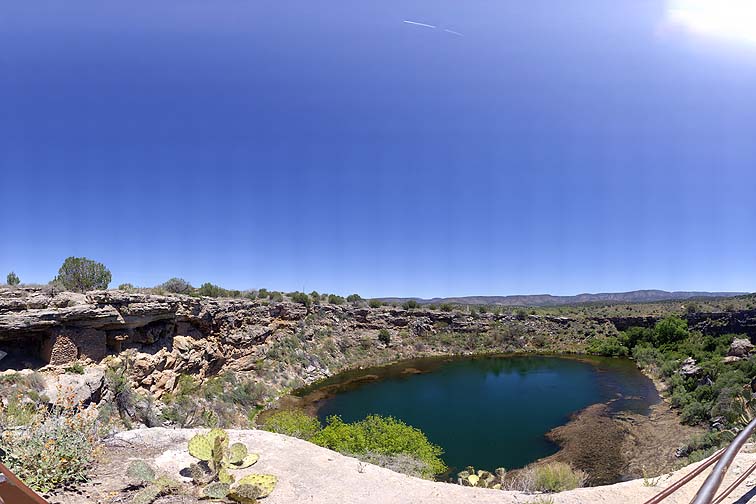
point(337, 300)
point(446, 307)
point(294, 423)
point(12, 279)
point(57, 448)
point(301, 298)
point(384, 336)
point(550, 477)
point(382, 435)
point(80, 274)
point(208, 289)
point(354, 298)
point(609, 346)
point(671, 330)
point(374, 303)
point(410, 304)
point(177, 286)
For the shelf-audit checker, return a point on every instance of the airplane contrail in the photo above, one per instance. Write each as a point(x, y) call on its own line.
point(418, 24)
point(453, 32)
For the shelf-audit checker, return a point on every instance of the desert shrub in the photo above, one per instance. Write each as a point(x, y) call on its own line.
point(609, 346)
point(550, 477)
point(446, 307)
point(384, 336)
point(211, 290)
point(521, 314)
point(262, 293)
point(246, 393)
point(75, 368)
point(315, 296)
point(12, 279)
point(57, 448)
point(381, 435)
point(177, 286)
point(301, 298)
point(334, 299)
point(354, 298)
point(80, 274)
point(127, 287)
point(398, 462)
point(294, 423)
point(410, 304)
point(374, 303)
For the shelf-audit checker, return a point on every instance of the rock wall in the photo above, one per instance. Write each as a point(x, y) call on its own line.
point(172, 335)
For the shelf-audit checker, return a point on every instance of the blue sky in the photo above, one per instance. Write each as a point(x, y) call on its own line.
point(561, 147)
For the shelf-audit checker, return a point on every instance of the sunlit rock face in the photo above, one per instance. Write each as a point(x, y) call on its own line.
point(726, 19)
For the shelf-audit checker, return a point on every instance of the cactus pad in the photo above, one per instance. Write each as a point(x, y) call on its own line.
point(236, 453)
point(217, 434)
point(225, 477)
point(216, 490)
point(245, 494)
point(200, 447)
point(250, 459)
point(201, 473)
point(265, 482)
point(139, 470)
point(146, 495)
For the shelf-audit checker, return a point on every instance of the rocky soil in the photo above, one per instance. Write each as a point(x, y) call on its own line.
point(310, 474)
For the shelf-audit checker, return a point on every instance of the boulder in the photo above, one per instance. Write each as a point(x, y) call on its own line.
point(689, 367)
point(740, 347)
point(81, 388)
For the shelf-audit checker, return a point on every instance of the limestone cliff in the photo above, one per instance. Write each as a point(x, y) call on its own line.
point(287, 343)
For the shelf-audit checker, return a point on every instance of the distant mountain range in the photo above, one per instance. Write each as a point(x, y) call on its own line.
point(639, 296)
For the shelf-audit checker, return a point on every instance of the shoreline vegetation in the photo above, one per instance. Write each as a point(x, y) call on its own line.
point(190, 361)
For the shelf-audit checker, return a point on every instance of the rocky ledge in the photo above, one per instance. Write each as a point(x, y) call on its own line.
point(309, 473)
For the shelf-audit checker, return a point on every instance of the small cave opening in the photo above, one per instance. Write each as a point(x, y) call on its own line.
point(21, 351)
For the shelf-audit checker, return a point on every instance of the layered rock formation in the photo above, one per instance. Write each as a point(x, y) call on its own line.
point(172, 335)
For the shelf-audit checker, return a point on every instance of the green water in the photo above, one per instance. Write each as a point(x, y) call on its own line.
point(488, 412)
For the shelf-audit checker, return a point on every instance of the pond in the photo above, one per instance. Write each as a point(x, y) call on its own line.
point(486, 411)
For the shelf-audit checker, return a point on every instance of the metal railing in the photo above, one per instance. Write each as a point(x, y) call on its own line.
point(723, 458)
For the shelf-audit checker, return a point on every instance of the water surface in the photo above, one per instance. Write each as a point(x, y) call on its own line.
point(489, 412)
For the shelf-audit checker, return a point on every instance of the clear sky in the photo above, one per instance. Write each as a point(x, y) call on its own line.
point(558, 146)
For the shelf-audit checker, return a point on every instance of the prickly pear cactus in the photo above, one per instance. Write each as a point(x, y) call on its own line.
point(201, 448)
point(216, 490)
point(140, 471)
point(146, 495)
point(265, 482)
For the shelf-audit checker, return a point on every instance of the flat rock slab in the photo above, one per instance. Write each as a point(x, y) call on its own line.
point(310, 474)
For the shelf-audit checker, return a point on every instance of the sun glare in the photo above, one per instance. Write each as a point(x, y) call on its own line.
point(734, 19)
